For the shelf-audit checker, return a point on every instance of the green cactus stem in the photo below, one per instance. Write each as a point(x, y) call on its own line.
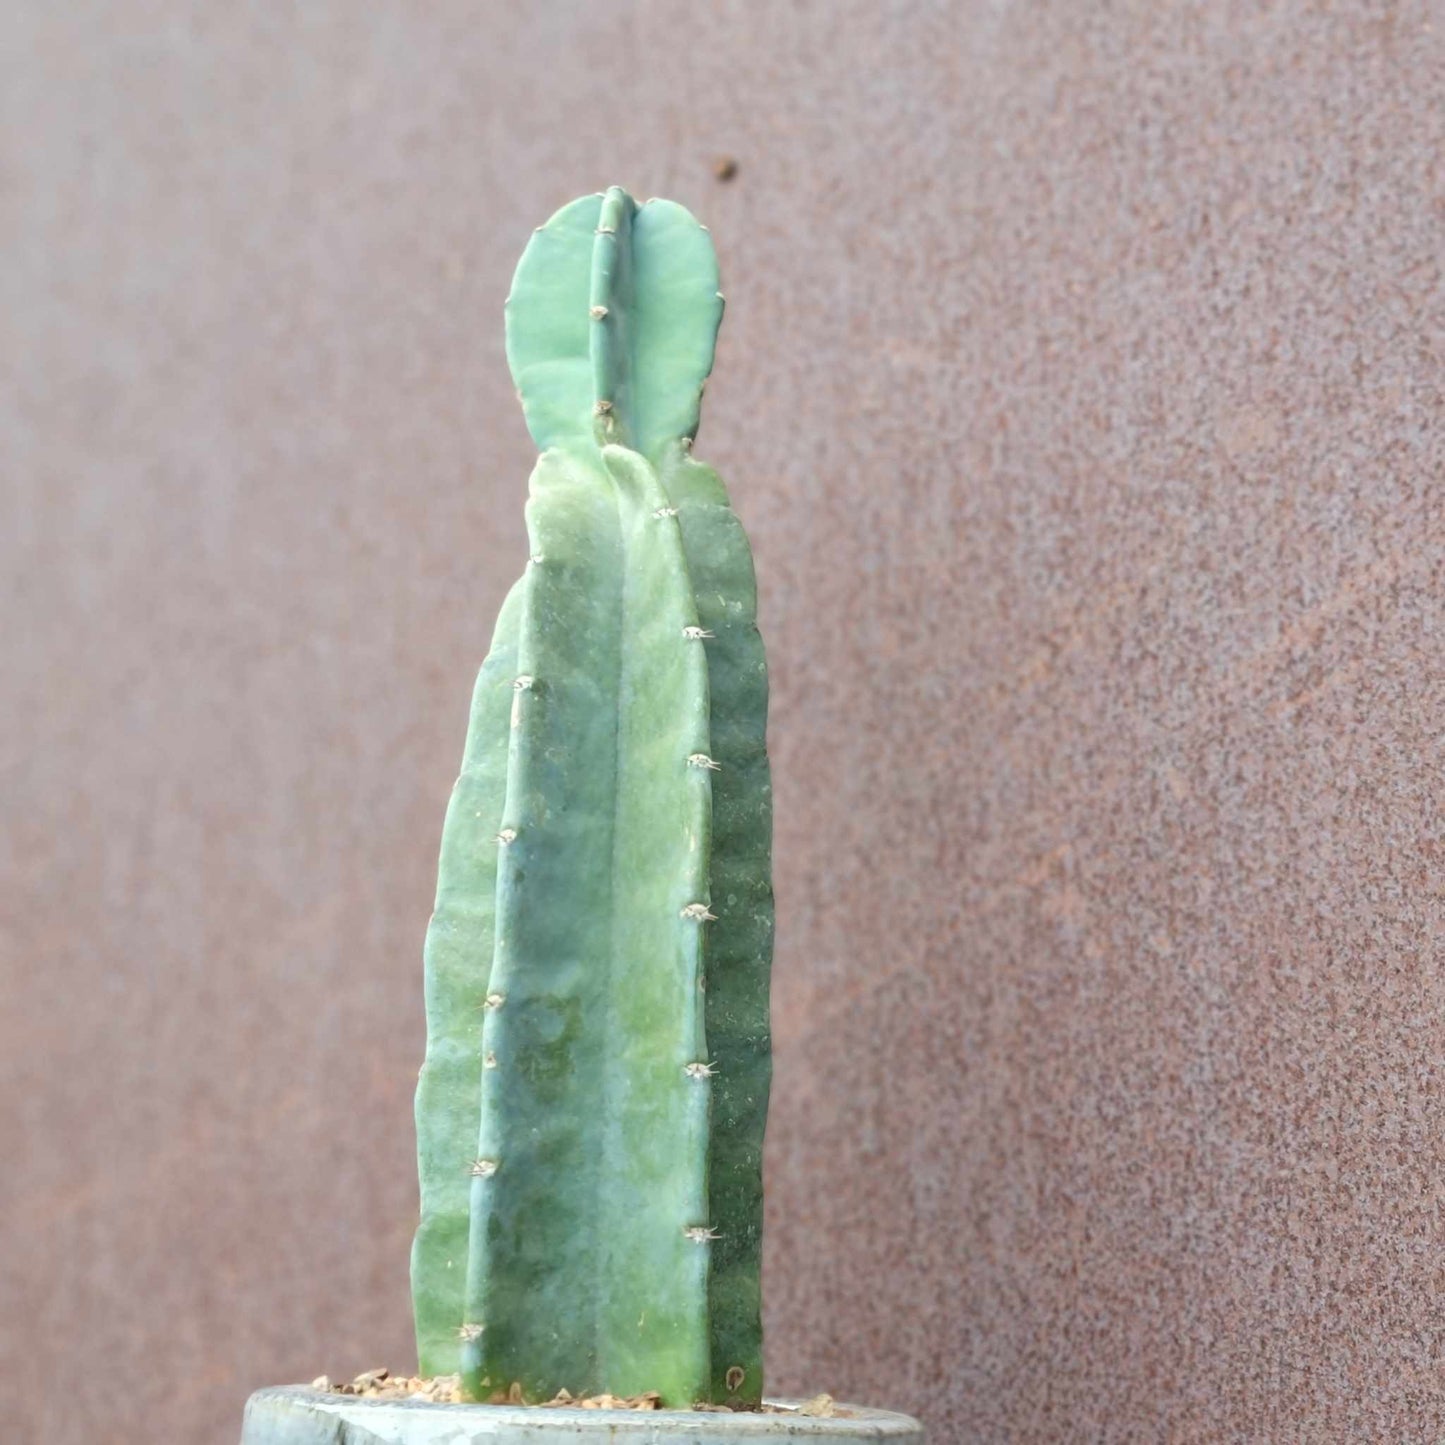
point(590, 1113)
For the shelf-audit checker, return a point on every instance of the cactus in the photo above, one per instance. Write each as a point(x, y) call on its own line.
point(590, 1112)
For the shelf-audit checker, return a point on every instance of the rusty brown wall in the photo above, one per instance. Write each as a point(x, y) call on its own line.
point(1081, 387)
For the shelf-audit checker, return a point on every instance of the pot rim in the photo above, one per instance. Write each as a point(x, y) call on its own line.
point(860, 1422)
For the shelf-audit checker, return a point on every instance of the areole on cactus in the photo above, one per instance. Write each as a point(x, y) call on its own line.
point(590, 1113)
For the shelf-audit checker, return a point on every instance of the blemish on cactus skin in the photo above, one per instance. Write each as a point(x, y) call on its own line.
point(554, 1029)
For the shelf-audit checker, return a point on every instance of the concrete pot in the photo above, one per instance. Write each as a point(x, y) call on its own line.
point(297, 1415)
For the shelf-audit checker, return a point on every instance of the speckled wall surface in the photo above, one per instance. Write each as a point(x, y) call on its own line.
point(1081, 388)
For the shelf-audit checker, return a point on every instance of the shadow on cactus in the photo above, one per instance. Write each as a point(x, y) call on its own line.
point(590, 1112)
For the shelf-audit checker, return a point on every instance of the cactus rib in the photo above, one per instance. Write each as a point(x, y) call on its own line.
point(458, 938)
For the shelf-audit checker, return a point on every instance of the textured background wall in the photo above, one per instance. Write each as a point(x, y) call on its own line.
point(1081, 387)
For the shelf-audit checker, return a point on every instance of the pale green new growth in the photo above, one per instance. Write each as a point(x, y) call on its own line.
point(590, 1113)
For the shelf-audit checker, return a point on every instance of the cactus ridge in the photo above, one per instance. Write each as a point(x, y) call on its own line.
point(591, 1108)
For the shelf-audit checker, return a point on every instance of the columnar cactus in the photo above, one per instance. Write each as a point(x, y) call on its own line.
point(590, 1113)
